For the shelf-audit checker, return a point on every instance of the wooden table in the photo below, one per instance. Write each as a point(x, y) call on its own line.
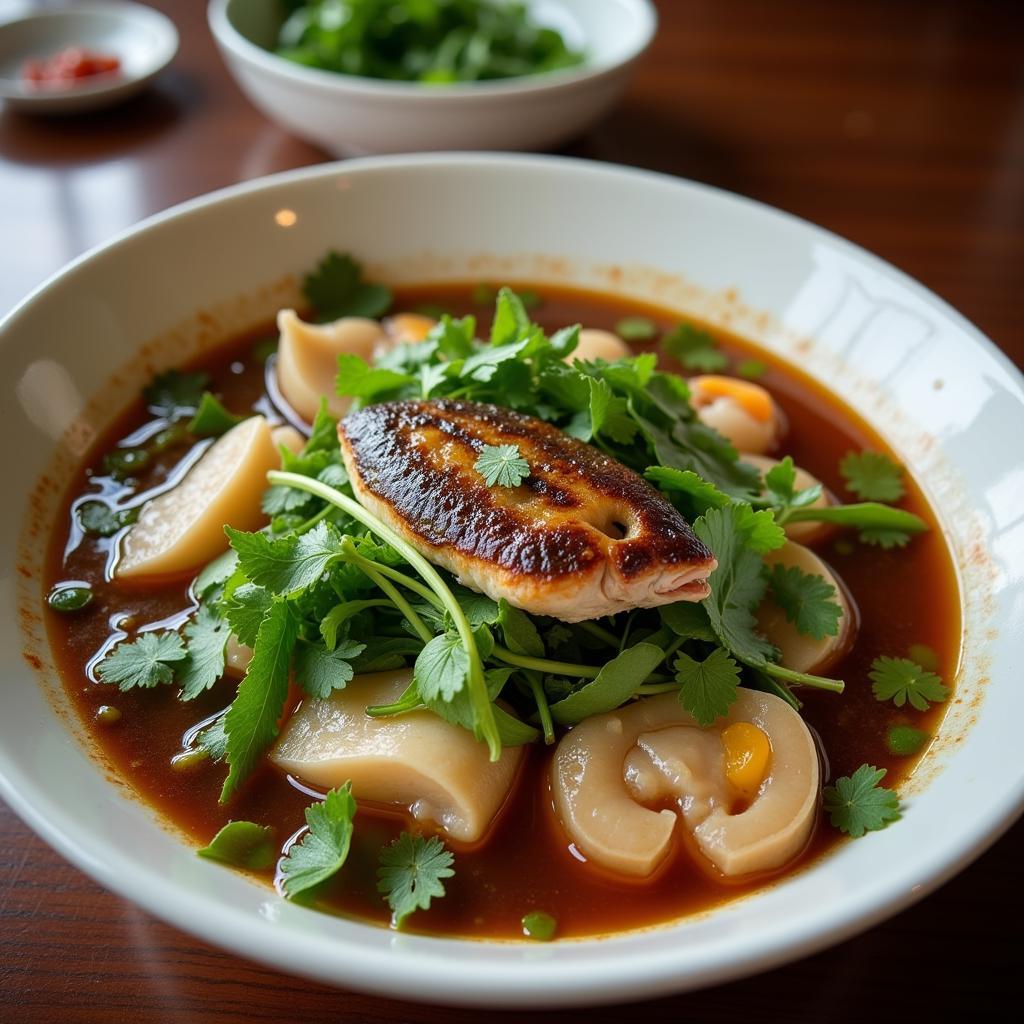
point(898, 125)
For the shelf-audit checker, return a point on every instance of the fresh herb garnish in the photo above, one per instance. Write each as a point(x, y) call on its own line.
point(857, 804)
point(243, 844)
point(708, 687)
point(872, 476)
point(175, 394)
point(211, 418)
point(336, 288)
point(324, 848)
point(145, 662)
point(901, 680)
point(502, 465)
point(410, 874)
point(752, 369)
point(206, 636)
point(695, 349)
point(808, 601)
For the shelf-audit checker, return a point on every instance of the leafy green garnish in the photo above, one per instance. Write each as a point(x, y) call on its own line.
point(857, 804)
point(708, 687)
point(442, 668)
point(211, 418)
point(695, 349)
point(617, 681)
point(174, 394)
point(320, 671)
point(807, 600)
point(502, 465)
point(145, 662)
point(251, 722)
point(286, 565)
point(434, 42)
point(336, 288)
point(878, 524)
point(872, 476)
point(324, 848)
point(901, 680)
point(99, 519)
point(243, 844)
point(206, 635)
point(410, 874)
point(357, 379)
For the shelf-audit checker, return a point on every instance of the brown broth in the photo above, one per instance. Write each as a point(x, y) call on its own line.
point(904, 597)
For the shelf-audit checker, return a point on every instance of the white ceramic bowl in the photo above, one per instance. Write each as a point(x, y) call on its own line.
point(144, 40)
point(946, 399)
point(347, 114)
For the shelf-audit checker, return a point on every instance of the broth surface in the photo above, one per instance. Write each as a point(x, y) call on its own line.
point(905, 597)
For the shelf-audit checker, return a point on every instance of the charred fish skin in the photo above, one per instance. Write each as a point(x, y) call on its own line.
point(581, 537)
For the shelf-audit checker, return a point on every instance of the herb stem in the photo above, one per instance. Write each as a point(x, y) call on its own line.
point(396, 598)
point(602, 634)
point(560, 668)
point(647, 689)
point(542, 707)
point(476, 684)
point(803, 679)
point(313, 520)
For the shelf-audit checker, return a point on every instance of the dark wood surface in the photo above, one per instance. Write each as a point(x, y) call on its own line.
point(898, 125)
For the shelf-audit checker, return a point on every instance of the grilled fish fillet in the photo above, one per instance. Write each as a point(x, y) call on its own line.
point(581, 537)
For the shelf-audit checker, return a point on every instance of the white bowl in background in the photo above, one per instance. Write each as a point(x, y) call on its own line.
point(144, 40)
point(879, 340)
point(347, 114)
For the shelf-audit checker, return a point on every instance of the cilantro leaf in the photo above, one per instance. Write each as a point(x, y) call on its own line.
point(320, 672)
point(872, 476)
point(519, 631)
point(884, 537)
point(246, 609)
point(99, 519)
point(144, 662)
point(441, 668)
point(807, 600)
point(857, 804)
point(762, 532)
point(336, 288)
point(901, 680)
point(251, 722)
point(410, 874)
point(206, 635)
point(511, 321)
point(905, 740)
point(175, 394)
point(356, 378)
point(608, 414)
point(502, 464)
point(752, 369)
point(709, 687)
point(695, 349)
point(214, 740)
point(737, 585)
point(704, 495)
point(211, 418)
point(243, 844)
point(286, 565)
point(324, 848)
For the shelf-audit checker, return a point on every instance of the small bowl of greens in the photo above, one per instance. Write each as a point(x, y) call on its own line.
point(380, 76)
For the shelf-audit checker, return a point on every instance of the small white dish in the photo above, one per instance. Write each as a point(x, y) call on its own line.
point(350, 115)
point(143, 40)
point(937, 390)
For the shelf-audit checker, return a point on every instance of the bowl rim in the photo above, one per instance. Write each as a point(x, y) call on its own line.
point(225, 33)
point(504, 982)
point(128, 12)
